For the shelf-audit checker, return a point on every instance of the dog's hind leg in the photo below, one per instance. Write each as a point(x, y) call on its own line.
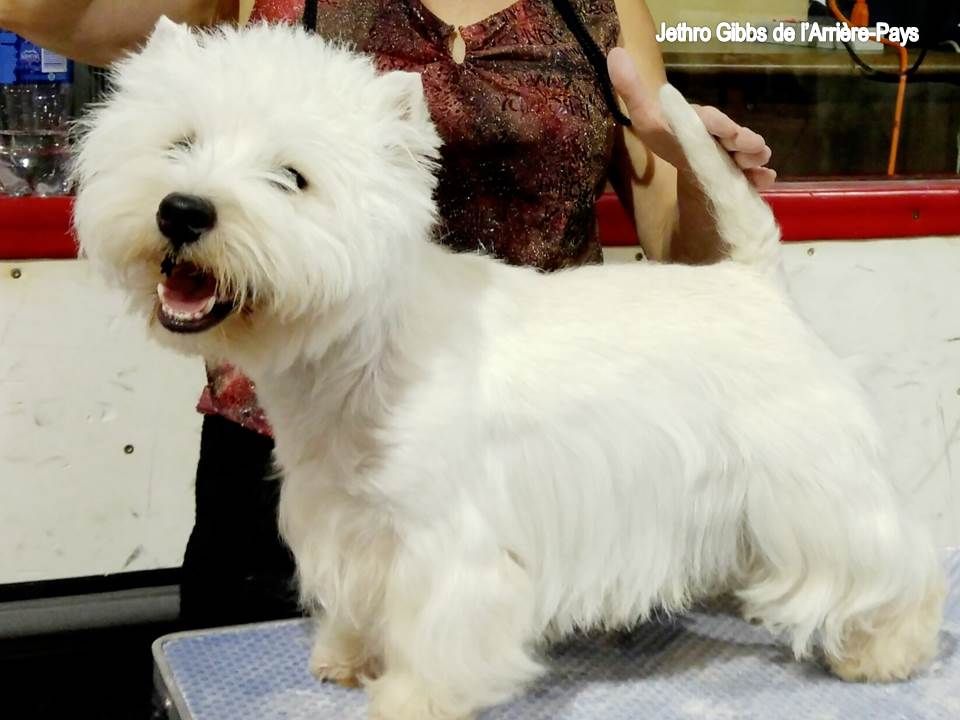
point(835, 563)
point(832, 558)
point(457, 631)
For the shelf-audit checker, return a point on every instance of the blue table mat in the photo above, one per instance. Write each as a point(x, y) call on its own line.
point(705, 665)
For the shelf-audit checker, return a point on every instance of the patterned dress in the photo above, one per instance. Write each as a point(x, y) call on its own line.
point(527, 134)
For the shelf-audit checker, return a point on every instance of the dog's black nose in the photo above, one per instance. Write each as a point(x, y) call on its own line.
point(184, 218)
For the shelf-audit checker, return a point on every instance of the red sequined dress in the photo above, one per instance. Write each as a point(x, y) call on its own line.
point(527, 135)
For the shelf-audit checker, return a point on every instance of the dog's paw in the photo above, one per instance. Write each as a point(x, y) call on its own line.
point(896, 648)
point(876, 660)
point(348, 672)
point(377, 715)
point(398, 696)
point(344, 675)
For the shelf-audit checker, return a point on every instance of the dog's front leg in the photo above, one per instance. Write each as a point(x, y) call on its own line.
point(341, 565)
point(457, 629)
point(343, 653)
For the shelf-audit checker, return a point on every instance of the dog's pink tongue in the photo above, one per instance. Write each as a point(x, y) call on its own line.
point(188, 289)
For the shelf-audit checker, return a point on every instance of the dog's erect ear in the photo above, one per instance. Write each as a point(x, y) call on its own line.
point(400, 96)
point(406, 94)
point(167, 31)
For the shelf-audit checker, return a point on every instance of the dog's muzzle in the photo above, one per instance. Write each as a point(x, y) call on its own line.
point(189, 300)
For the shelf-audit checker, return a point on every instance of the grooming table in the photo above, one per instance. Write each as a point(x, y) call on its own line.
point(704, 665)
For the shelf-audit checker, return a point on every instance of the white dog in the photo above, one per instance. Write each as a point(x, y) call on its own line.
point(480, 457)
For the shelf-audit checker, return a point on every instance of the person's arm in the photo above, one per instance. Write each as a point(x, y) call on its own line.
point(672, 216)
point(99, 31)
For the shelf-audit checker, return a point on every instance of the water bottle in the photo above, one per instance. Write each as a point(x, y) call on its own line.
point(35, 101)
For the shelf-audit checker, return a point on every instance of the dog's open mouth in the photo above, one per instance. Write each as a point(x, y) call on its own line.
point(188, 299)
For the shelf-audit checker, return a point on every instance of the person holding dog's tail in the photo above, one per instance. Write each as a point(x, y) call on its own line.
point(539, 102)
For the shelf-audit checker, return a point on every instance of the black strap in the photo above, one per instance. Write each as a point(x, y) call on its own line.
point(594, 55)
point(310, 15)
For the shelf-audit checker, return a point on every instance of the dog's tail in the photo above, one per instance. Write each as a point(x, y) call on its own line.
point(744, 221)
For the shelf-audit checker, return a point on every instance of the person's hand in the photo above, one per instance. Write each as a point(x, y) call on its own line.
point(747, 148)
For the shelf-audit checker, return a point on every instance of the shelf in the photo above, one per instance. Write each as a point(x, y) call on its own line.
point(770, 59)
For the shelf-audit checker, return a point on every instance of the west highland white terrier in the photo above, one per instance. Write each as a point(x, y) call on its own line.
point(479, 458)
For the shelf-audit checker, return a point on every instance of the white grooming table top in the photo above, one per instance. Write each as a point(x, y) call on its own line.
point(703, 665)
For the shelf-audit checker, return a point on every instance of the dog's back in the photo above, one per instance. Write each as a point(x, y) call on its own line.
point(745, 222)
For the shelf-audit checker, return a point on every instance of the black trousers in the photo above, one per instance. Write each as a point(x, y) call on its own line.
point(236, 568)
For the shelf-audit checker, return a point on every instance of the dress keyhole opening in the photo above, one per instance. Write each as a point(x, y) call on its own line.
point(458, 47)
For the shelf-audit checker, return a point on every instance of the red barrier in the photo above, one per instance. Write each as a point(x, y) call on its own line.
point(36, 228)
point(864, 210)
point(842, 210)
point(846, 210)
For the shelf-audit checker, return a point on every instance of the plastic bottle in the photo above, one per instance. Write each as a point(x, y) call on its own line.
point(36, 88)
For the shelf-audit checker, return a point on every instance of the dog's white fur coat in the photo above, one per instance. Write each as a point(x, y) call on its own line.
point(479, 457)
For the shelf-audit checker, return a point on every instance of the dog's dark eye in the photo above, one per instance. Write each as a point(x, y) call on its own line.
point(183, 144)
point(297, 176)
point(291, 176)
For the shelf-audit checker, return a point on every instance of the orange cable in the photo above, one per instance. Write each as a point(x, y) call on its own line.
point(901, 91)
